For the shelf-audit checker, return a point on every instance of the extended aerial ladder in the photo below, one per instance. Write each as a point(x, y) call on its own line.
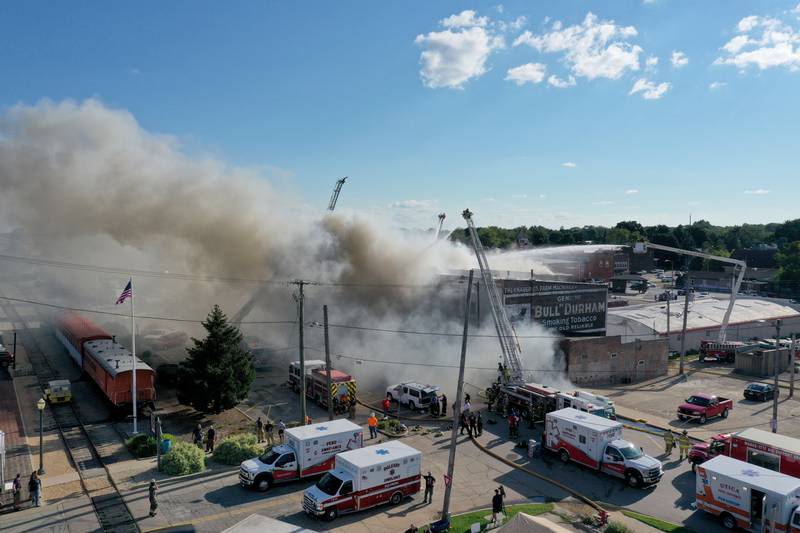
point(335, 196)
point(505, 331)
point(439, 228)
point(641, 247)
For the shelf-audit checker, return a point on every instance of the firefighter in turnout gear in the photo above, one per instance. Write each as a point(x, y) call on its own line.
point(684, 444)
point(669, 443)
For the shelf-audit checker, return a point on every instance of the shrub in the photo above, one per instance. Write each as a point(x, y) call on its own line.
point(237, 448)
point(184, 458)
point(145, 445)
point(616, 527)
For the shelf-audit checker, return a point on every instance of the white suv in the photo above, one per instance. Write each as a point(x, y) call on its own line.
point(415, 395)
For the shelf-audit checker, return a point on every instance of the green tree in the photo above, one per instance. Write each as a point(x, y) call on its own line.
point(789, 262)
point(218, 371)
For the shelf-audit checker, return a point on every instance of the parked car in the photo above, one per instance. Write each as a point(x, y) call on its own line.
point(702, 406)
point(760, 392)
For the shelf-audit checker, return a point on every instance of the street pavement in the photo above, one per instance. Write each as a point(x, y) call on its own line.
point(217, 501)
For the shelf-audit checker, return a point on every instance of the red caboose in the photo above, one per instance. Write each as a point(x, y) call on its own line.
point(109, 364)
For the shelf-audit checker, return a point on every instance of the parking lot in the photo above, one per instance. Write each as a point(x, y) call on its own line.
point(658, 400)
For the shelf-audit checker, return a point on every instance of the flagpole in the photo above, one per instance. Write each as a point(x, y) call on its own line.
point(133, 350)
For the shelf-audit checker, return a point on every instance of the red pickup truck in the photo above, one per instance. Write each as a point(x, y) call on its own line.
point(703, 406)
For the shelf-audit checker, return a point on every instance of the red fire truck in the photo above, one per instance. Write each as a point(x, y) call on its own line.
point(754, 446)
point(341, 384)
point(723, 351)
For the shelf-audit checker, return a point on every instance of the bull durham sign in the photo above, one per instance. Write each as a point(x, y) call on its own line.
point(567, 307)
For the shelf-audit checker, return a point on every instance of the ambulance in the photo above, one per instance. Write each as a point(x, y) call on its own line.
point(309, 451)
point(748, 496)
point(364, 478)
point(597, 442)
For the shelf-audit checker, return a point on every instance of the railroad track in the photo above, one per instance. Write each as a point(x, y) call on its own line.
point(109, 506)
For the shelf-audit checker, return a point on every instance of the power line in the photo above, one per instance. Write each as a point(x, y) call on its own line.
point(126, 315)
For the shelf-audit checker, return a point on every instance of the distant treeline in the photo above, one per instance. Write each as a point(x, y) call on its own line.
point(701, 235)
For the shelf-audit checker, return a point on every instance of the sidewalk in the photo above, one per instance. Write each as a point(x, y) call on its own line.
point(18, 460)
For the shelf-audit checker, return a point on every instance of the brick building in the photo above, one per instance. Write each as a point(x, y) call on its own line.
point(608, 360)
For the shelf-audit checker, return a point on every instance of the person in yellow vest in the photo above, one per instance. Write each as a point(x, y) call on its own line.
point(684, 444)
point(669, 442)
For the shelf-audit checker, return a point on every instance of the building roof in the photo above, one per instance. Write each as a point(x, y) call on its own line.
point(628, 277)
point(755, 476)
point(771, 439)
point(704, 313)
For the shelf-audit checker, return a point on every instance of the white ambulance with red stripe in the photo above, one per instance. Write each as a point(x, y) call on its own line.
point(365, 478)
point(597, 442)
point(748, 496)
point(309, 451)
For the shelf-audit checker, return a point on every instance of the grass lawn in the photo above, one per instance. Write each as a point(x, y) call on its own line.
point(462, 523)
point(661, 525)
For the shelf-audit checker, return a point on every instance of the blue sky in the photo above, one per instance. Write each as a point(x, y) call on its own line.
point(527, 113)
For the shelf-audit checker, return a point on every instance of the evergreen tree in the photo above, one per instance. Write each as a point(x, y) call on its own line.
point(218, 371)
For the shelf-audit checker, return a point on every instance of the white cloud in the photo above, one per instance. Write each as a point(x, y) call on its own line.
point(454, 56)
point(714, 85)
point(500, 8)
point(411, 204)
point(649, 90)
point(465, 19)
point(748, 23)
point(764, 42)
point(569, 164)
point(528, 73)
point(519, 196)
point(558, 83)
point(632, 191)
point(757, 191)
point(603, 202)
point(651, 61)
point(736, 44)
point(518, 23)
point(133, 71)
point(542, 196)
point(679, 59)
point(592, 49)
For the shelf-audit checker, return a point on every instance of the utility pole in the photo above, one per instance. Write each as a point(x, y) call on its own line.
point(669, 297)
point(687, 285)
point(299, 299)
point(776, 362)
point(328, 361)
point(794, 365)
point(14, 363)
point(457, 409)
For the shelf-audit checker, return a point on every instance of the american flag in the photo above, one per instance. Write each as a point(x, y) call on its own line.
point(127, 293)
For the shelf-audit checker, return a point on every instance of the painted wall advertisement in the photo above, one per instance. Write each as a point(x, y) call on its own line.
point(567, 307)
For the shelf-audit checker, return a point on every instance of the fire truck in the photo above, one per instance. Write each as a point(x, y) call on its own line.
point(342, 384)
point(755, 446)
point(723, 351)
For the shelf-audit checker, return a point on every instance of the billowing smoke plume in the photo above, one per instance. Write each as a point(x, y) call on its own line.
point(85, 183)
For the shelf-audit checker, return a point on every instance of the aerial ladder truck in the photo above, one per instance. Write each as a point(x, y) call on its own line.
point(739, 268)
